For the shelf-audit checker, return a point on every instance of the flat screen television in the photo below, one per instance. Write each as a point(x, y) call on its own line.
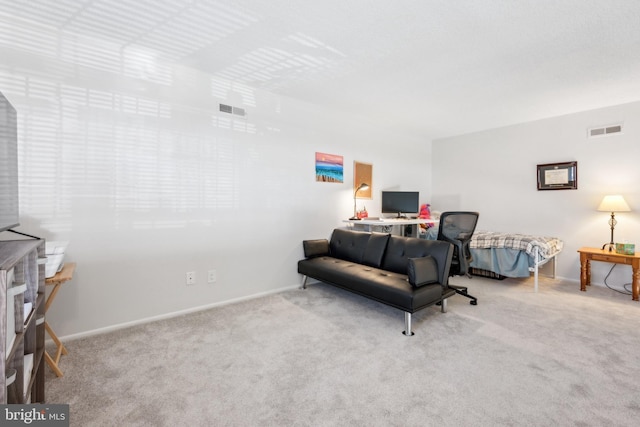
point(9, 207)
point(400, 202)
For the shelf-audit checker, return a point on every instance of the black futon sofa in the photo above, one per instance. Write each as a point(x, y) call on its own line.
point(403, 272)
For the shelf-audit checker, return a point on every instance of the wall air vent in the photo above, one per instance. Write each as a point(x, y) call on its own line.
point(233, 110)
point(605, 130)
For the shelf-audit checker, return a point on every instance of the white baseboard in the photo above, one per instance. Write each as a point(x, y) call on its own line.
point(112, 328)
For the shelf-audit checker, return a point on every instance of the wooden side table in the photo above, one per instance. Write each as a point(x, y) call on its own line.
point(61, 277)
point(596, 254)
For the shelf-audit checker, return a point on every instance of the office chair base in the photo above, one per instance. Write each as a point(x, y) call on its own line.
point(462, 290)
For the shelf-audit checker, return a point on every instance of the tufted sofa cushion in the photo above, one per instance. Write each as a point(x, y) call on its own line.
point(360, 247)
point(374, 252)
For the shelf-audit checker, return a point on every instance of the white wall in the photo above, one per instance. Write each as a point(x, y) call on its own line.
point(128, 159)
point(494, 172)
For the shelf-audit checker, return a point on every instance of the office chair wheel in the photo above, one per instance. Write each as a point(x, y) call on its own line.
point(473, 302)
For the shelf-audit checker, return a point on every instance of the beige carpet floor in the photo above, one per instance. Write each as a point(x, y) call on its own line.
point(325, 357)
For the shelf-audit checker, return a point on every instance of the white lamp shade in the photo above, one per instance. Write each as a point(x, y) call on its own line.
point(615, 203)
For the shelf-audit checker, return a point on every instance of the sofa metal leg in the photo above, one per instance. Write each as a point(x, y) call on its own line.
point(443, 306)
point(407, 324)
point(304, 282)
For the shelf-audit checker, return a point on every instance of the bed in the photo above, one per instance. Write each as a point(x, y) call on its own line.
point(512, 254)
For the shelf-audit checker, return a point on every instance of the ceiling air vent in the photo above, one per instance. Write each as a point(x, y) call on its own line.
point(605, 130)
point(233, 110)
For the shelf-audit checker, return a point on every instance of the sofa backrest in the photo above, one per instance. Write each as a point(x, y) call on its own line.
point(400, 249)
point(358, 246)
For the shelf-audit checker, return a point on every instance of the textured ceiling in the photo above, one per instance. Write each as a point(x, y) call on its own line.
point(434, 68)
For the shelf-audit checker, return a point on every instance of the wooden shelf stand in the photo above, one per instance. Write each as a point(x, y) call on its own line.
point(56, 281)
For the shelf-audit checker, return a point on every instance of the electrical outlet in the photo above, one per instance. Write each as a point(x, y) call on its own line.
point(191, 277)
point(212, 277)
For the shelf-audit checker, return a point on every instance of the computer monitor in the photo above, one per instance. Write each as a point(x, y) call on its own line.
point(401, 202)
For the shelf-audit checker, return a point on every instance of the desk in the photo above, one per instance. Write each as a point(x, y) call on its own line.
point(369, 223)
point(61, 277)
point(595, 254)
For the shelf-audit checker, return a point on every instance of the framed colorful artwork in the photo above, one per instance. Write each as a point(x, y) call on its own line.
point(329, 168)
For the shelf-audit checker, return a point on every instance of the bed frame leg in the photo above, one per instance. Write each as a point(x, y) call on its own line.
point(304, 282)
point(535, 270)
point(407, 324)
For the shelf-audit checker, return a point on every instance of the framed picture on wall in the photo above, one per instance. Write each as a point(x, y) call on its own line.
point(363, 174)
point(329, 167)
point(558, 176)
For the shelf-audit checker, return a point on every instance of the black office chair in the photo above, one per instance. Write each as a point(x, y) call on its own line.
point(457, 229)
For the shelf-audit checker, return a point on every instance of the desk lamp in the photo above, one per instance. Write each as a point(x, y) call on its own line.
point(613, 204)
point(362, 186)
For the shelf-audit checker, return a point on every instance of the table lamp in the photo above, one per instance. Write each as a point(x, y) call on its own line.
point(362, 186)
point(613, 204)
